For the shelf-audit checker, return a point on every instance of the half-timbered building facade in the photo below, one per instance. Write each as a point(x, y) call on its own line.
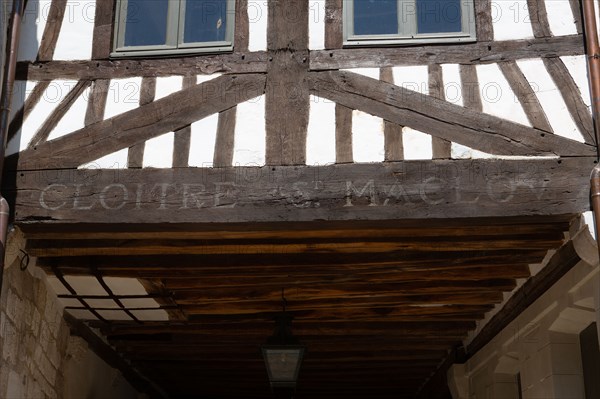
point(411, 178)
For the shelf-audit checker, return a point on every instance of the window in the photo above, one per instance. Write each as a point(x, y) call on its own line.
point(381, 22)
point(173, 26)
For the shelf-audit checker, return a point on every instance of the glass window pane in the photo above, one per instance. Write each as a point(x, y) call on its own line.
point(146, 22)
point(439, 16)
point(205, 21)
point(375, 17)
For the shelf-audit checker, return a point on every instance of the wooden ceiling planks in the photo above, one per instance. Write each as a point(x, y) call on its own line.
point(380, 305)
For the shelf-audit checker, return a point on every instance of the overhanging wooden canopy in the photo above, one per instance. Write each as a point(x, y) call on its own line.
point(379, 304)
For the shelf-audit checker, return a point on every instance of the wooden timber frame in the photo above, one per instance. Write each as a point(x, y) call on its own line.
point(245, 225)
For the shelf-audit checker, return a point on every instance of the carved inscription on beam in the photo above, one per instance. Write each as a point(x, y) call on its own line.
point(402, 190)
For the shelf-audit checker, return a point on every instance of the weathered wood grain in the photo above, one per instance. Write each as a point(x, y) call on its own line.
point(147, 90)
point(343, 134)
point(577, 14)
point(21, 115)
point(39, 248)
point(393, 141)
point(157, 288)
point(572, 97)
point(167, 114)
point(103, 28)
point(253, 62)
point(471, 92)
point(441, 149)
point(287, 97)
point(538, 18)
point(97, 102)
point(258, 305)
point(287, 25)
point(225, 141)
point(333, 24)
point(483, 20)
point(59, 112)
point(135, 156)
point(526, 96)
point(242, 35)
point(287, 110)
point(411, 190)
point(135, 153)
point(181, 147)
point(308, 270)
point(519, 226)
point(473, 53)
point(54, 22)
point(439, 118)
point(182, 138)
point(392, 132)
point(322, 290)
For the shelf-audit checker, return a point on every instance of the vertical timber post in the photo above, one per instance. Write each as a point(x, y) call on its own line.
point(287, 95)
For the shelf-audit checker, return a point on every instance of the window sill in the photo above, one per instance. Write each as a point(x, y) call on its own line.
point(166, 53)
point(406, 42)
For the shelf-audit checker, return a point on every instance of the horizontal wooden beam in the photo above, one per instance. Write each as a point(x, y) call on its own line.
point(257, 62)
point(340, 246)
point(192, 304)
point(301, 264)
point(308, 329)
point(484, 52)
point(294, 276)
point(402, 190)
point(480, 227)
point(477, 130)
point(118, 69)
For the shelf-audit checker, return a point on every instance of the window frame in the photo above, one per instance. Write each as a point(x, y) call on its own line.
point(174, 36)
point(408, 34)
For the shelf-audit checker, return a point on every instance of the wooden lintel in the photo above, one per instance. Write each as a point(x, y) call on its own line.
point(255, 62)
point(401, 190)
point(483, 52)
point(469, 127)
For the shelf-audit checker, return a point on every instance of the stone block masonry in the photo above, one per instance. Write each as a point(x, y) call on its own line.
point(38, 356)
point(33, 337)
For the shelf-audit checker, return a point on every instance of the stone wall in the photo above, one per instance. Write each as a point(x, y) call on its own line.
point(39, 357)
point(33, 337)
